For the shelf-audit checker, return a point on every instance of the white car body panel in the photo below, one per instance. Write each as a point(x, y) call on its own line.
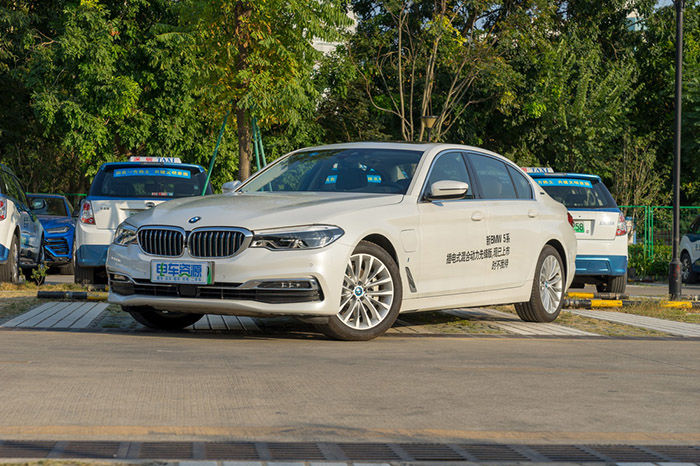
point(425, 236)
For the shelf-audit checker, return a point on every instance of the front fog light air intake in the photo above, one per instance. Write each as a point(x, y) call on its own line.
point(305, 237)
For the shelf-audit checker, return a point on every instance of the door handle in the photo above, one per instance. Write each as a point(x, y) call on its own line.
point(477, 216)
point(532, 213)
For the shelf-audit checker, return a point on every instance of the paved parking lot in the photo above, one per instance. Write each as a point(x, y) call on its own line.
point(139, 386)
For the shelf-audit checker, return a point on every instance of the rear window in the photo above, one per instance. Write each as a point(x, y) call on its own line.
point(577, 193)
point(149, 182)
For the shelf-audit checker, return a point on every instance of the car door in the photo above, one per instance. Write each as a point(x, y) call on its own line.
point(694, 241)
point(511, 231)
point(452, 233)
point(30, 228)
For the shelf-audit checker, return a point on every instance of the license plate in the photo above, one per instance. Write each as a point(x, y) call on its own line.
point(196, 273)
point(583, 227)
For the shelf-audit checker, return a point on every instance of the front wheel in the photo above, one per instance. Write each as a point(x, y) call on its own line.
point(370, 298)
point(547, 294)
point(161, 320)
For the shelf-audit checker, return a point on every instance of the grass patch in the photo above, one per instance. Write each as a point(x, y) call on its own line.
point(654, 309)
point(441, 322)
point(11, 307)
point(598, 326)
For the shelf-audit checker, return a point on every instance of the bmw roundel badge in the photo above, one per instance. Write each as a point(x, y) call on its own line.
point(194, 219)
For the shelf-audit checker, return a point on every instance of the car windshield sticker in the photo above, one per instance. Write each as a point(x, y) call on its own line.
point(171, 172)
point(497, 253)
point(564, 182)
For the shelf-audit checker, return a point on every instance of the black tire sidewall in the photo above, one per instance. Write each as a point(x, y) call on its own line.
point(335, 328)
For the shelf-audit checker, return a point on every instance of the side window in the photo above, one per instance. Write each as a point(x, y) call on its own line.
point(493, 178)
point(450, 166)
point(522, 186)
point(11, 187)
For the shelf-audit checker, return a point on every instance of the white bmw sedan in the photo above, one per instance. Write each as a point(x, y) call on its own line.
point(348, 236)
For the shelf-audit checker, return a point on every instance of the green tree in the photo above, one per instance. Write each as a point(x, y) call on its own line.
point(258, 57)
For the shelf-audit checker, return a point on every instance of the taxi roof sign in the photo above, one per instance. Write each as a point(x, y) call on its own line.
point(156, 159)
point(537, 169)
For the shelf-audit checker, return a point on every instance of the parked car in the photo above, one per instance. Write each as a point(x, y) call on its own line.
point(21, 233)
point(599, 224)
point(347, 236)
point(56, 216)
point(120, 190)
point(690, 253)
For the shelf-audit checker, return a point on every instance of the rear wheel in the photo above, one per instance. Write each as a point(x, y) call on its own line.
point(613, 285)
point(82, 275)
point(9, 271)
point(161, 320)
point(370, 297)
point(687, 274)
point(40, 277)
point(547, 294)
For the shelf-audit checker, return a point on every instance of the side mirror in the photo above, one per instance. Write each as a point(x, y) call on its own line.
point(37, 204)
point(230, 186)
point(447, 189)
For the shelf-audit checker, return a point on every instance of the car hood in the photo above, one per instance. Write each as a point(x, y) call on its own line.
point(260, 210)
point(52, 221)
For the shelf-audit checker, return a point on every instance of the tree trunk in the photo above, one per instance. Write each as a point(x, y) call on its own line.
point(245, 143)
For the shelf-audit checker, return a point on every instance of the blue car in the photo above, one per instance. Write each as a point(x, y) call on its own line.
point(56, 216)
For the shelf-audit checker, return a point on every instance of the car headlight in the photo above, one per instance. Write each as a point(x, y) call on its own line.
point(306, 237)
point(58, 229)
point(125, 235)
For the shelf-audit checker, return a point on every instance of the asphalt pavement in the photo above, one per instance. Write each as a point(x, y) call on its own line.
point(91, 385)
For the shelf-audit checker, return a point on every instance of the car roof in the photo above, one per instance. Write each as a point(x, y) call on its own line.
point(53, 196)
point(110, 165)
point(403, 145)
point(581, 176)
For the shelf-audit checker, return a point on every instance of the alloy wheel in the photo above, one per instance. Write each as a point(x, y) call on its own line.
point(551, 284)
point(368, 292)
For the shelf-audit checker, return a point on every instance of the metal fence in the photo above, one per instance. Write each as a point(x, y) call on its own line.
point(652, 226)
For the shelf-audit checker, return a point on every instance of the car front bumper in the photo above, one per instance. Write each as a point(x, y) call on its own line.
point(233, 290)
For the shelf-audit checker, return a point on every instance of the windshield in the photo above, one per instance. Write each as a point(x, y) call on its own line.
point(578, 193)
point(54, 206)
point(340, 170)
point(148, 182)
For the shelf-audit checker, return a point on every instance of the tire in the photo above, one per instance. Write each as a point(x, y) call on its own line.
point(687, 274)
point(82, 275)
point(369, 303)
point(548, 285)
point(161, 320)
point(66, 269)
point(9, 271)
point(613, 285)
point(40, 261)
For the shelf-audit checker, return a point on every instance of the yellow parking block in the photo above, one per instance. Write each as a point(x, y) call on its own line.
point(606, 303)
point(580, 295)
point(677, 304)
